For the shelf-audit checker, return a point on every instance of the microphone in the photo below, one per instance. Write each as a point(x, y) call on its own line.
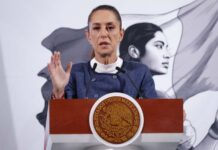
point(94, 66)
point(120, 70)
point(88, 86)
point(131, 80)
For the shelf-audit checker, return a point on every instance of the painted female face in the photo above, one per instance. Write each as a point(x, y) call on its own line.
point(156, 54)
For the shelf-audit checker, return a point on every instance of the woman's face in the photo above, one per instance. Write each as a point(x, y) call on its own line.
point(156, 54)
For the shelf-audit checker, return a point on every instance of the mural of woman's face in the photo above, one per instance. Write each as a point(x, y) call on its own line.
point(156, 54)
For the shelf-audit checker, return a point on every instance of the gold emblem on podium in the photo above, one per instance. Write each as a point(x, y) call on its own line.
point(116, 119)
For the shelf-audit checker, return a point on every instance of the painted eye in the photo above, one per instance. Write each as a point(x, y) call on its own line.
point(159, 46)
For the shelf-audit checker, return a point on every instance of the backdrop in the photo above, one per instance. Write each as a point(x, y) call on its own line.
point(189, 25)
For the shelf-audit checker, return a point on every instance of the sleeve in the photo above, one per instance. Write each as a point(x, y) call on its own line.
point(70, 89)
point(148, 86)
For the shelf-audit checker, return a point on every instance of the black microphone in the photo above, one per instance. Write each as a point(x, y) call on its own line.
point(94, 66)
point(89, 83)
point(131, 80)
point(120, 70)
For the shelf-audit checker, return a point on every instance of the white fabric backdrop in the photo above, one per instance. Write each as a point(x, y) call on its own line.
point(23, 24)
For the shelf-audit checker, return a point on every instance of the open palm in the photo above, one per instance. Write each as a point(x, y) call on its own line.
point(58, 75)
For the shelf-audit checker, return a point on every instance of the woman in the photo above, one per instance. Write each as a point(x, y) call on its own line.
point(146, 43)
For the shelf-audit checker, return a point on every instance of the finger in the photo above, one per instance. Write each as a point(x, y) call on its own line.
point(58, 58)
point(53, 58)
point(69, 67)
point(49, 68)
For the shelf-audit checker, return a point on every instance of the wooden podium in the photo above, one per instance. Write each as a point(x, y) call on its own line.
point(68, 125)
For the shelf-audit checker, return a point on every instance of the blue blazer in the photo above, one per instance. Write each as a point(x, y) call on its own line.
point(134, 79)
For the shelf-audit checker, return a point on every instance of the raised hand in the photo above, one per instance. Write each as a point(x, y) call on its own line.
point(189, 138)
point(58, 75)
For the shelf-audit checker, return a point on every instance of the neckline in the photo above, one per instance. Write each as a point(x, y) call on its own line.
point(109, 68)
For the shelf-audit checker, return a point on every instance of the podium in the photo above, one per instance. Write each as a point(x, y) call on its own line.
point(68, 128)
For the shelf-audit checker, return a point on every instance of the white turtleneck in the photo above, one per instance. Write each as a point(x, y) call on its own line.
point(109, 68)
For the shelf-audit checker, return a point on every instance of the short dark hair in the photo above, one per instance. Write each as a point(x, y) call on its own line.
point(138, 35)
point(106, 7)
